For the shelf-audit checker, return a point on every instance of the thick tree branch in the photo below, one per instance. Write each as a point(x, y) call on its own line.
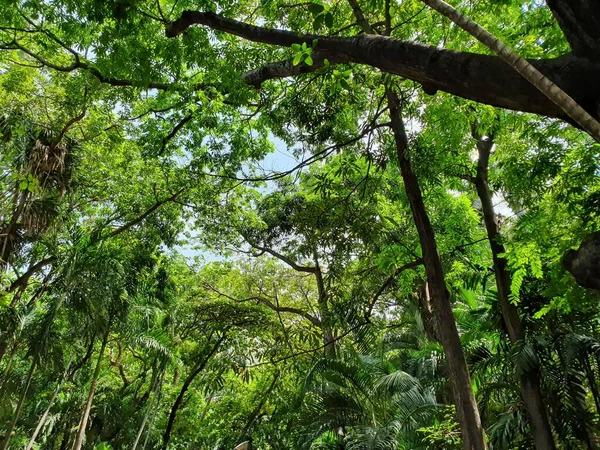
point(482, 78)
point(544, 84)
point(286, 69)
point(580, 23)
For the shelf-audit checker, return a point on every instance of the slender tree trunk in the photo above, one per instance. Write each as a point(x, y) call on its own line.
point(3, 348)
point(559, 97)
point(323, 306)
point(254, 414)
point(8, 367)
point(17, 412)
point(18, 207)
point(64, 444)
point(589, 371)
point(184, 389)
point(155, 395)
point(531, 392)
point(466, 405)
point(47, 411)
point(152, 419)
point(88, 406)
point(205, 410)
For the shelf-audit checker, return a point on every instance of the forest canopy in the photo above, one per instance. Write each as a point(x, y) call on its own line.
point(283, 224)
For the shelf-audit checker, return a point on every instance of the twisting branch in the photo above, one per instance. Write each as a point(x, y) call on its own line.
point(70, 123)
point(257, 298)
point(138, 219)
point(384, 287)
point(290, 262)
point(97, 237)
point(314, 349)
point(80, 64)
point(173, 133)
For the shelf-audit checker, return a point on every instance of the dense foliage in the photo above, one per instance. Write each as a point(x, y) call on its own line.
point(213, 233)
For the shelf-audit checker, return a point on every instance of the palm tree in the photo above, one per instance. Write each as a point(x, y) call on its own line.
point(365, 402)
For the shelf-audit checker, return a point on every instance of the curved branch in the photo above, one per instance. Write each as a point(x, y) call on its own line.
point(388, 283)
point(290, 262)
point(173, 133)
point(269, 304)
point(80, 64)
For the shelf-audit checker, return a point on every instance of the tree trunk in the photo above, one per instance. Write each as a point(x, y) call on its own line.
point(155, 395)
point(559, 97)
point(3, 347)
point(426, 312)
point(47, 411)
point(152, 419)
point(466, 405)
point(184, 389)
point(90, 399)
point(8, 367)
point(531, 392)
point(254, 414)
point(17, 412)
point(64, 444)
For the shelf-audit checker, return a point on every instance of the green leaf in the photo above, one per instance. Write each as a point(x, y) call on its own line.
point(296, 47)
point(314, 43)
point(316, 9)
point(318, 22)
point(329, 20)
point(23, 185)
point(308, 61)
point(326, 62)
point(297, 59)
point(4, 298)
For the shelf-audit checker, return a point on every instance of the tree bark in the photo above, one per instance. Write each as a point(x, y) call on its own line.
point(426, 312)
point(184, 389)
point(155, 396)
point(522, 66)
point(580, 23)
point(254, 414)
point(88, 406)
point(531, 392)
point(3, 347)
point(466, 406)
